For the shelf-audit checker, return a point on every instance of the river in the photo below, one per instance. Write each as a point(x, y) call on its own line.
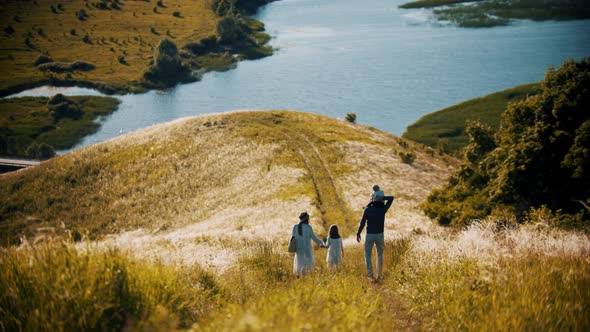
point(389, 66)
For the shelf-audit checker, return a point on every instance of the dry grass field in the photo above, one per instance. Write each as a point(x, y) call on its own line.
point(123, 30)
point(186, 227)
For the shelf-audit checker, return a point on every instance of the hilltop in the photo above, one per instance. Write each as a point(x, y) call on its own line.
point(227, 176)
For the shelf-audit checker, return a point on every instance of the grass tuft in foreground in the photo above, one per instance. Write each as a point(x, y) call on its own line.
point(60, 288)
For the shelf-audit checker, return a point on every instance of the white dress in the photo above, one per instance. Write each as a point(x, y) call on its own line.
point(303, 261)
point(334, 255)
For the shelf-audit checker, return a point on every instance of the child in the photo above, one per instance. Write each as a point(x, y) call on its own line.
point(335, 248)
point(377, 192)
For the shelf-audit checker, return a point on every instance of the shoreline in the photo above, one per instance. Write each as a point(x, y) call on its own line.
point(219, 56)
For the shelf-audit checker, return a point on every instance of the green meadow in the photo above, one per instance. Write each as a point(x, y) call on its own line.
point(445, 129)
point(29, 120)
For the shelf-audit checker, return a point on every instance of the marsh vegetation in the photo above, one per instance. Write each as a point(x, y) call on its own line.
point(479, 14)
point(58, 122)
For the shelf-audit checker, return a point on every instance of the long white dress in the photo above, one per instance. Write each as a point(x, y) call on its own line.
point(303, 261)
point(334, 255)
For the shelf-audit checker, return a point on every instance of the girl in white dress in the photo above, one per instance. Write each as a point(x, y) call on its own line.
point(303, 261)
point(335, 248)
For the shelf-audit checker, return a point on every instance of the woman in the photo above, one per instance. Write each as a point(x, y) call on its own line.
point(303, 233)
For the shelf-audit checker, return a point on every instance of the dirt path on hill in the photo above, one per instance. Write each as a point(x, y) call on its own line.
point(328, 201)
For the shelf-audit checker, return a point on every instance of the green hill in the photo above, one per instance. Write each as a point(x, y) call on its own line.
point(445, 129)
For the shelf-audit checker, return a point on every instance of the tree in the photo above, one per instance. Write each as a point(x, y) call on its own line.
point(350, 117)
point(167, 68)
point(540, 156)
point(229, 29)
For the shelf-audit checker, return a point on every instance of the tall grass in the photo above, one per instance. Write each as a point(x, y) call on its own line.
point(268, 297)
point(481, 278)
point(58, 288)
point(486, 278)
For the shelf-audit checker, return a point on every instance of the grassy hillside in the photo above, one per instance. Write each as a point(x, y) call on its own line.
point(445, 129)
point(192, 220)
point(223, 170)
point(109, 45)
point(28, 120)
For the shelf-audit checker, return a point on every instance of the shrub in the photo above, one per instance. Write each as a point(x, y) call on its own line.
point(167, 68)
point(229, 29)
point(176, 14)
point(73, 32)
point(87, 39)
point(407, 157)
point(203, 46)
point(64, 67)
point(350, 117)
point(32, 151)
point(81, 14)
point(9, 30)
point(160, 3)
point(46, 151)
point(60, 107)
point(41, 59)
point(122, 60)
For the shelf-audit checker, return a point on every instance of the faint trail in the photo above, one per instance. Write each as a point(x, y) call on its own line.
point(332, 208)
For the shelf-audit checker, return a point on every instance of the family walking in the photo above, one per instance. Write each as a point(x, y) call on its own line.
point(373, 217)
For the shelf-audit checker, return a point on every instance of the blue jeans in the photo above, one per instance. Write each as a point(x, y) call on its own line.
point(379, 241)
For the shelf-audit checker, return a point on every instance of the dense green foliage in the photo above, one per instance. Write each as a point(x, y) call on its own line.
point(445, 129)
point(500, 12)
point(59, 122)
point(229, 29)
point(539, 157)
point(231, 7)
point(167, 69)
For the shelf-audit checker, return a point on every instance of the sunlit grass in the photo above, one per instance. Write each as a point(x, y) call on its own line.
point(528, 277)
point(131, 31)
point(179, 174)
point(58, 288)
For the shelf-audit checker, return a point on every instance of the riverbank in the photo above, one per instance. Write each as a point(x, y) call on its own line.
point(29, 123)
point(109, 46)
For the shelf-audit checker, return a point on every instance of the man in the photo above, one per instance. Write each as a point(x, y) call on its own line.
point(374, 217)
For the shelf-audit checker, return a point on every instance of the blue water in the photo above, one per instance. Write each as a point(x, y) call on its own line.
point(387, 65)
